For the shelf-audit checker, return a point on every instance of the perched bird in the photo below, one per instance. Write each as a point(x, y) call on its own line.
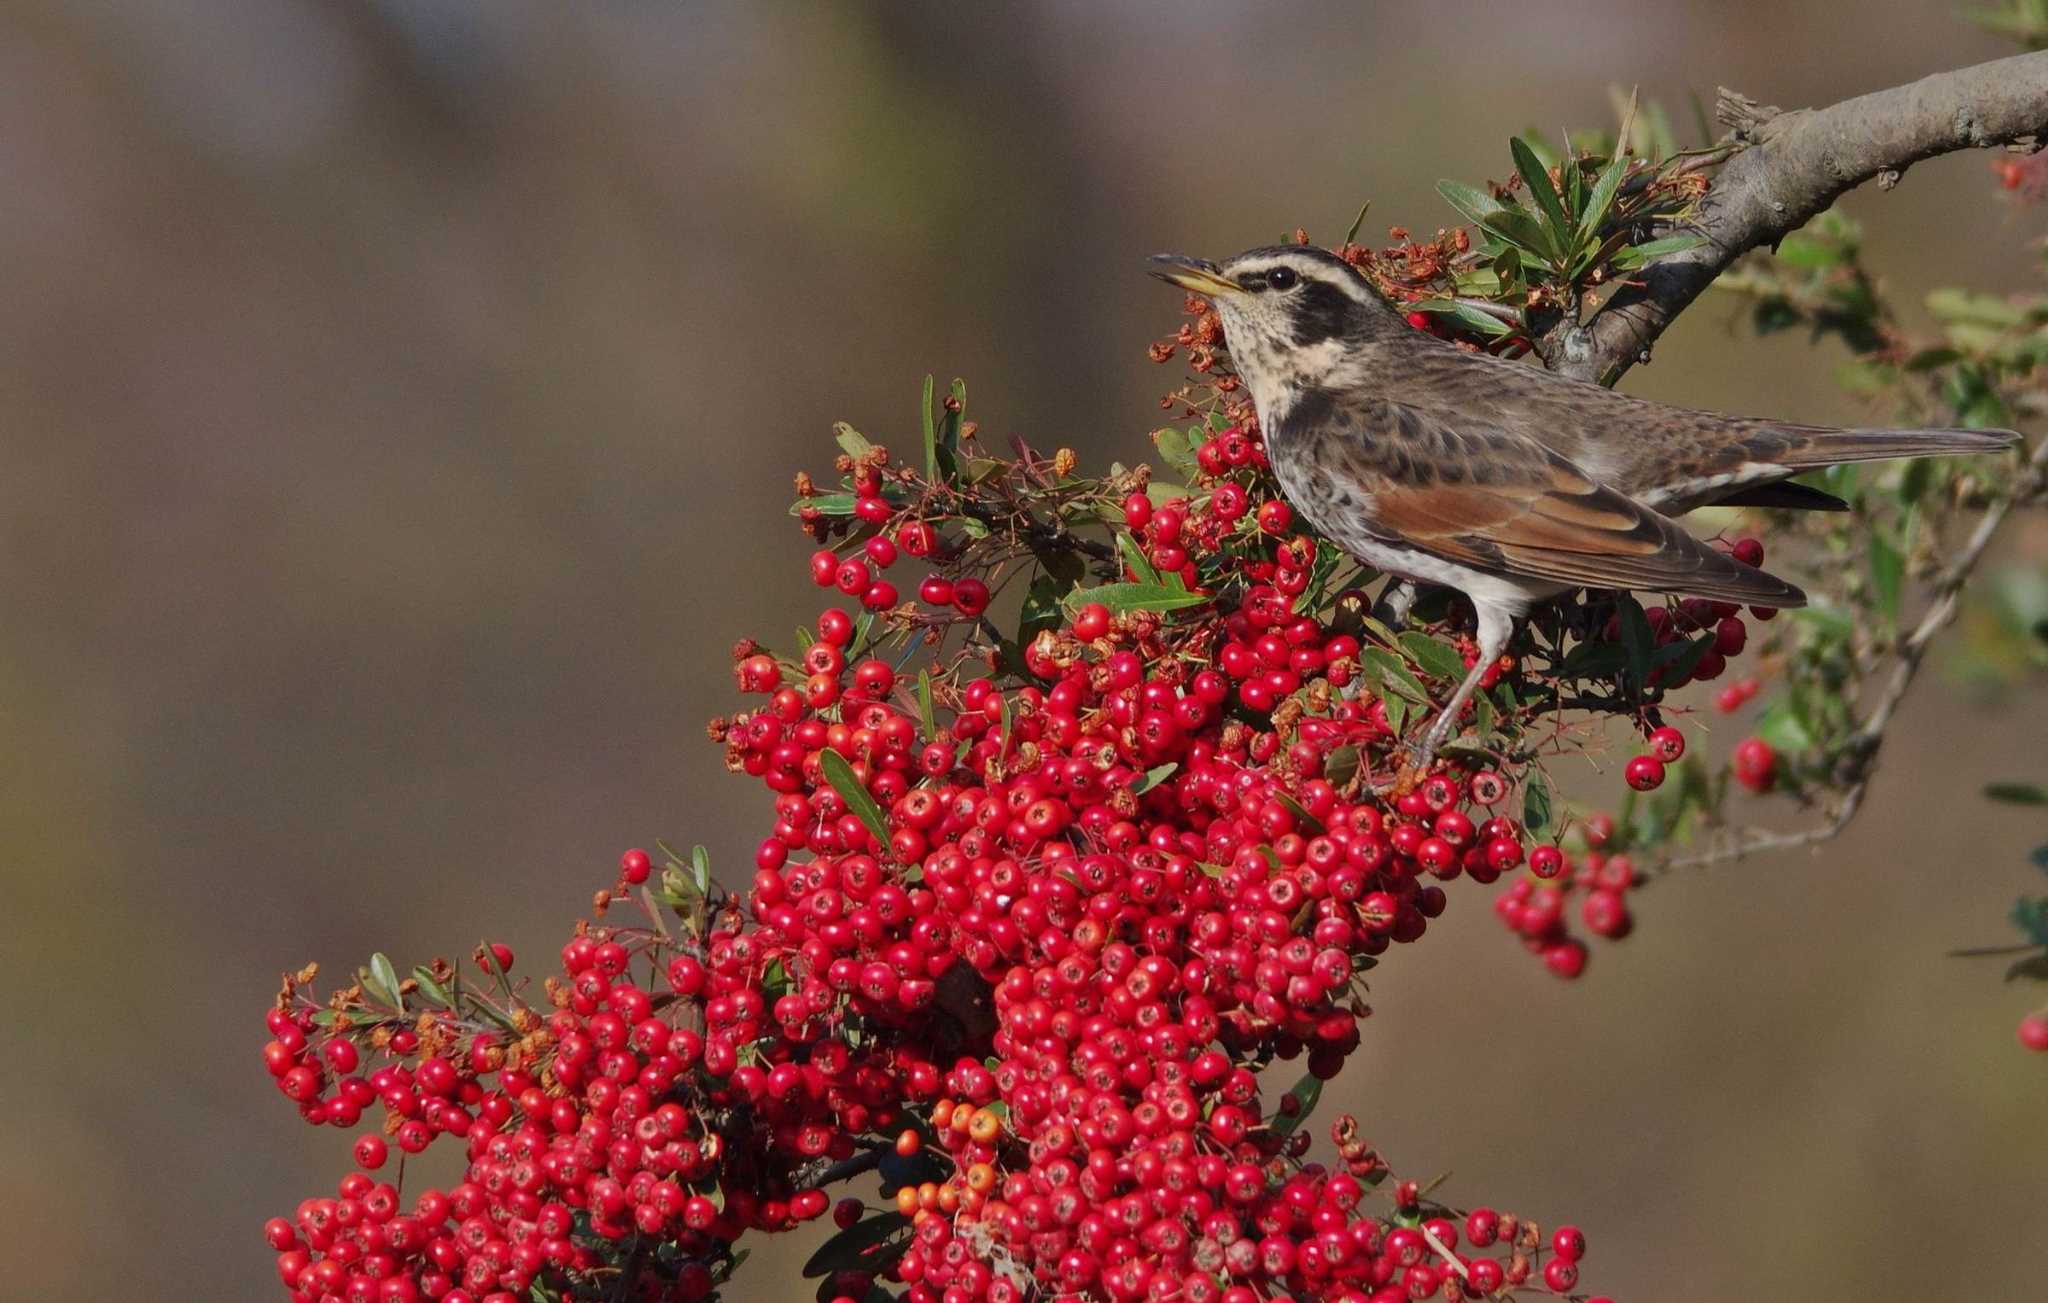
point(1502, 480)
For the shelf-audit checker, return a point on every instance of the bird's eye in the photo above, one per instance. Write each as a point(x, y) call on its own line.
point(1282, 278)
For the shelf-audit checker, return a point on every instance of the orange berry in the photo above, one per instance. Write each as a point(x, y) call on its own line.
point(908, 1142)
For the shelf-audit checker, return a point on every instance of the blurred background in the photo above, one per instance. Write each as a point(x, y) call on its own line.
point(398, 404)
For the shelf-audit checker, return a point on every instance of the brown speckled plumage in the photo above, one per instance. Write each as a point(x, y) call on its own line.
point(1503, 480)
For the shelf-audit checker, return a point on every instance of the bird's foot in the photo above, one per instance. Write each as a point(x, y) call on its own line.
point(1394, 602)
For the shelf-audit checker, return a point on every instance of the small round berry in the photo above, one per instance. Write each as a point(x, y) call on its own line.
point(2034, 1032)
point(1569, 1243)
point(1667, 744)
point(1645, 773)
point(371, 1151)
point(970, 596)
point(1567, 959)
point(635, 865)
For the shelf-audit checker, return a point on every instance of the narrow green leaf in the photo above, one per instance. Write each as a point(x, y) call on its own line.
point(431, 987)
point(929, 426)
point(864, 1246)
point(1782, 727)
point(1352, 233)
point(386, 977)
point(1439, 660)
point(1341, 765)
point(1154, 777)
point(852, 441)
point(924, 703)
point(1308, 821)
point(1602, 197)
point(1041, 608)
point(827, 504)
point(1484, 322)
point(1135, 597)
point(1134, 557)
point(1394, 676)
point(1542, 193)
point(700, 869)
point(1887, 572)
point(1526, 233)
point(1641, 255)
point(1305, 1094)
point(1473, 203)
point(1636, 638)
point(2018, 793)
point(1536, 805)
point(858, 799)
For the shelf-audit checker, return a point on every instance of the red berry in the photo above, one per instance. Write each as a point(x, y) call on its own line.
point(635, 865)
point(1755, 763)
point(1645, 773)
point(1567, 959)
point(371, 1152)
point(1275, 517)
point(970, 597)
point(1667, 744)
point(2034, 1031)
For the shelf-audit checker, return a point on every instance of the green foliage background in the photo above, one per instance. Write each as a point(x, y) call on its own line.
point(398, 405)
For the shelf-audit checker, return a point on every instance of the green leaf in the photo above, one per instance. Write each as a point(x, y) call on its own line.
point(1783, 728)
point(1305, 1094)
point(851, 440)
point(2017, 793)
point(1351, 234)
point(1544, 195)
point(1438, 659)
point(432, 988)
point(1536, 805)
point(383, 981)
point(1525, 233)
point(931, 432)
point(1641, 255)
point(868, 1246)
point(1602, 196)
point(1392, 676)
point(1041, 608)
point(1809, 252)
point(1341, 766)
point(2030, 915)
point(924, 702)
point(1887, 570)
point(858, 799)
point(1636, 638)
point(1134, 557)
point(827, 504)
point(1135, 597)
point(1154, 777)
point(1308, 821)
point(700, 869)
point(1484, 322)
point(1473, 203)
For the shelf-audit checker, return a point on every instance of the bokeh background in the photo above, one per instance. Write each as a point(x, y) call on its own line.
point(397, 409)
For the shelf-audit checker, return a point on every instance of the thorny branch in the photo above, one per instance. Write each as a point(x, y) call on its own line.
point(2030, 486)
point(1792, 165)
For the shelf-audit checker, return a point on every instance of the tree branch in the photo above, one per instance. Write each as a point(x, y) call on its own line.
point(1862, 750)
point(1793, 165)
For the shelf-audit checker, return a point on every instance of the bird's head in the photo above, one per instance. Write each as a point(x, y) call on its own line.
point(1293, 316)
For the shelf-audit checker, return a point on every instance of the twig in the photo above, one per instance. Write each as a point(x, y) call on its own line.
point(1862, 748)
point(1792, 165)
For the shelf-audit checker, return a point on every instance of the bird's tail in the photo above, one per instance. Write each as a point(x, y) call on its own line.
point(1814, 446)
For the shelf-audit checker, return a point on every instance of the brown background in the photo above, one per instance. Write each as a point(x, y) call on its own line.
point(397, 409)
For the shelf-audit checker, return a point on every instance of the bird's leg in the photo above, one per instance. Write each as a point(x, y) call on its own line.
point(1496, 625)
point(1391, 607)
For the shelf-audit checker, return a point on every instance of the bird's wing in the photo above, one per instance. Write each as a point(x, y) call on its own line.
point(1499, 502)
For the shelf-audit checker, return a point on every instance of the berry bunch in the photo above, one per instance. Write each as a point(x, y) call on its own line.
point(1038, 918)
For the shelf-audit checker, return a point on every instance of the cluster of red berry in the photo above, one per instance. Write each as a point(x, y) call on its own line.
point(1034, 918)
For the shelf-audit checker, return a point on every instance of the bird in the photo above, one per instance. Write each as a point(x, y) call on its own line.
point(1505, 481)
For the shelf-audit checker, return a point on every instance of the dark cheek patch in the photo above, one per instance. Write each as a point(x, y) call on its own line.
point(1320, 312)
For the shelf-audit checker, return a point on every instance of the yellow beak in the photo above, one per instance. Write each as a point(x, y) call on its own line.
point(1197, 275)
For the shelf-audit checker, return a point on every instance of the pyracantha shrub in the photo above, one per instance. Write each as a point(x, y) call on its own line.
point(1090, 819)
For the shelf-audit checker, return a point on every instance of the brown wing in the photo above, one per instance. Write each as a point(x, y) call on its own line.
point(1507, 505)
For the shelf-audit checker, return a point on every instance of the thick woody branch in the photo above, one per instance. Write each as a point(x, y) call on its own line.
point(1792, 166)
